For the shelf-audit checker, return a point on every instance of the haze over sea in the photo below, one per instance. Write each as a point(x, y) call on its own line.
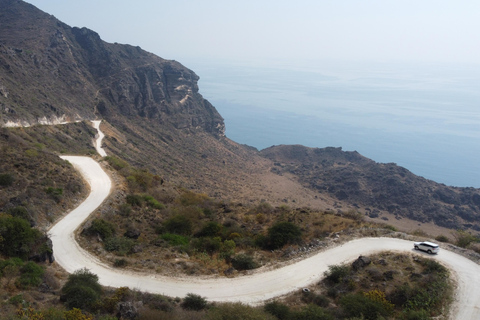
point(425, 118)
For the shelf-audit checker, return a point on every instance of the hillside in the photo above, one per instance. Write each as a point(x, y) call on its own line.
point(155, 118)
point(374, 188)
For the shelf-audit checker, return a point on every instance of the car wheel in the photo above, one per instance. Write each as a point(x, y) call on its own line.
point(429, 251)
point(416, 248)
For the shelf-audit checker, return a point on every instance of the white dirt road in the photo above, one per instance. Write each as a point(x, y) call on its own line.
point(251, 289)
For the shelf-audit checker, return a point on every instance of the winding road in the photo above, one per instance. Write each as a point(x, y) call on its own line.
point(252, 289)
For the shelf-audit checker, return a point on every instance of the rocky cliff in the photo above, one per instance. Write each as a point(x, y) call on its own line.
point(50, 72)
point(378, 187)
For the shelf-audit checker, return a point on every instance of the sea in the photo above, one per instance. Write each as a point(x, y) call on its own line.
point(424, 116)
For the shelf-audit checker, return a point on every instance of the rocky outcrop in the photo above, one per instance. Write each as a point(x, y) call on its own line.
point(72, 73)
point(378, 187)
point(361, 263)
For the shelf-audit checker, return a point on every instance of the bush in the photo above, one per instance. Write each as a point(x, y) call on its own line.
point(244, 262)
point(121, 245)
point(464, 239)
point(282, 233)
point(336, 273)
point(104, 228)
point(20, 212)
point(211, 229)
point(81, 290)
point(120, 263)
point(357, 305)
point(12, 262)
point(116, 163)
point(77, 314)
point(16, 236)
point(416, 315)
point(237, 311)
point(209, 245)
point(152, 202)
point(175, 239)
point(31, 275)
point(442, 238)
point(179, 224)
point(312, 312)
point(194, 302)
point(279, 310)
point(134, 200)
point(6, 179)
point(317, 299)
point(55, 193)
point(432, 266)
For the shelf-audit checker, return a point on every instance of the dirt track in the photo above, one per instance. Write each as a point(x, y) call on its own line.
point(251, 289)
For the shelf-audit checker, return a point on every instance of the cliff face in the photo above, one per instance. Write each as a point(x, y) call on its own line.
point(52, 72)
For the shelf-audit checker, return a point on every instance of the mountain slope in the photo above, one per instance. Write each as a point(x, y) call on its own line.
point(51, 70)
point(352, 178)
point(155, 118)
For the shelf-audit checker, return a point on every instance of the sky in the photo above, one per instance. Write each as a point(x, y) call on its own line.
point(438, 31)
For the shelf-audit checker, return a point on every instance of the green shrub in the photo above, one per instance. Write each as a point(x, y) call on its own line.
point(12, 262)
point(317, 299)
point(17, 236)
point(6, 179)
point(279, 310)
point(121, 245)
point(120, 263)
point(116, 163)
point(211, 229)
point(282, 233)
point(134, 200)
point(55, 193)
point(442, 238)
point(16, 300)
point(464, 239)
point(416, 315)
point(31, 275)
point(194, 302)
point(207, 244)
point(20, 212)
point(432, 266)
point(312, 312)
point(31, 153)
point(244, 262)
point(237, 311)
point(152, 202)
point(336, 273)
point(227, 249)
point(125, 210)
point(175, 239)
point(81, 290)
point(179, 224)
point(357, 305)
point(102, 227)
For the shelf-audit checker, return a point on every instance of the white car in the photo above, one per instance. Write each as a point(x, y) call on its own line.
point(426, 246)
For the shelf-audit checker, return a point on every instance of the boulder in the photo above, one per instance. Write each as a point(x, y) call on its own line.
point(361, 262)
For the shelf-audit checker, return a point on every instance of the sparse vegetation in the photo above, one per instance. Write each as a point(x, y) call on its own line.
point(6, 179)
point(282, 233)
point(17, 237)
point(194, 302)
point(244, 262)
point(82, 290)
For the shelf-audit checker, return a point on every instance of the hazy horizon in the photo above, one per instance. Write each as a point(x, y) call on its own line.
point(406, 71)
point(371, 30)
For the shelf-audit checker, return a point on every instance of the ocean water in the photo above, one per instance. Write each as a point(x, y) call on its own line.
point(425, 118)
